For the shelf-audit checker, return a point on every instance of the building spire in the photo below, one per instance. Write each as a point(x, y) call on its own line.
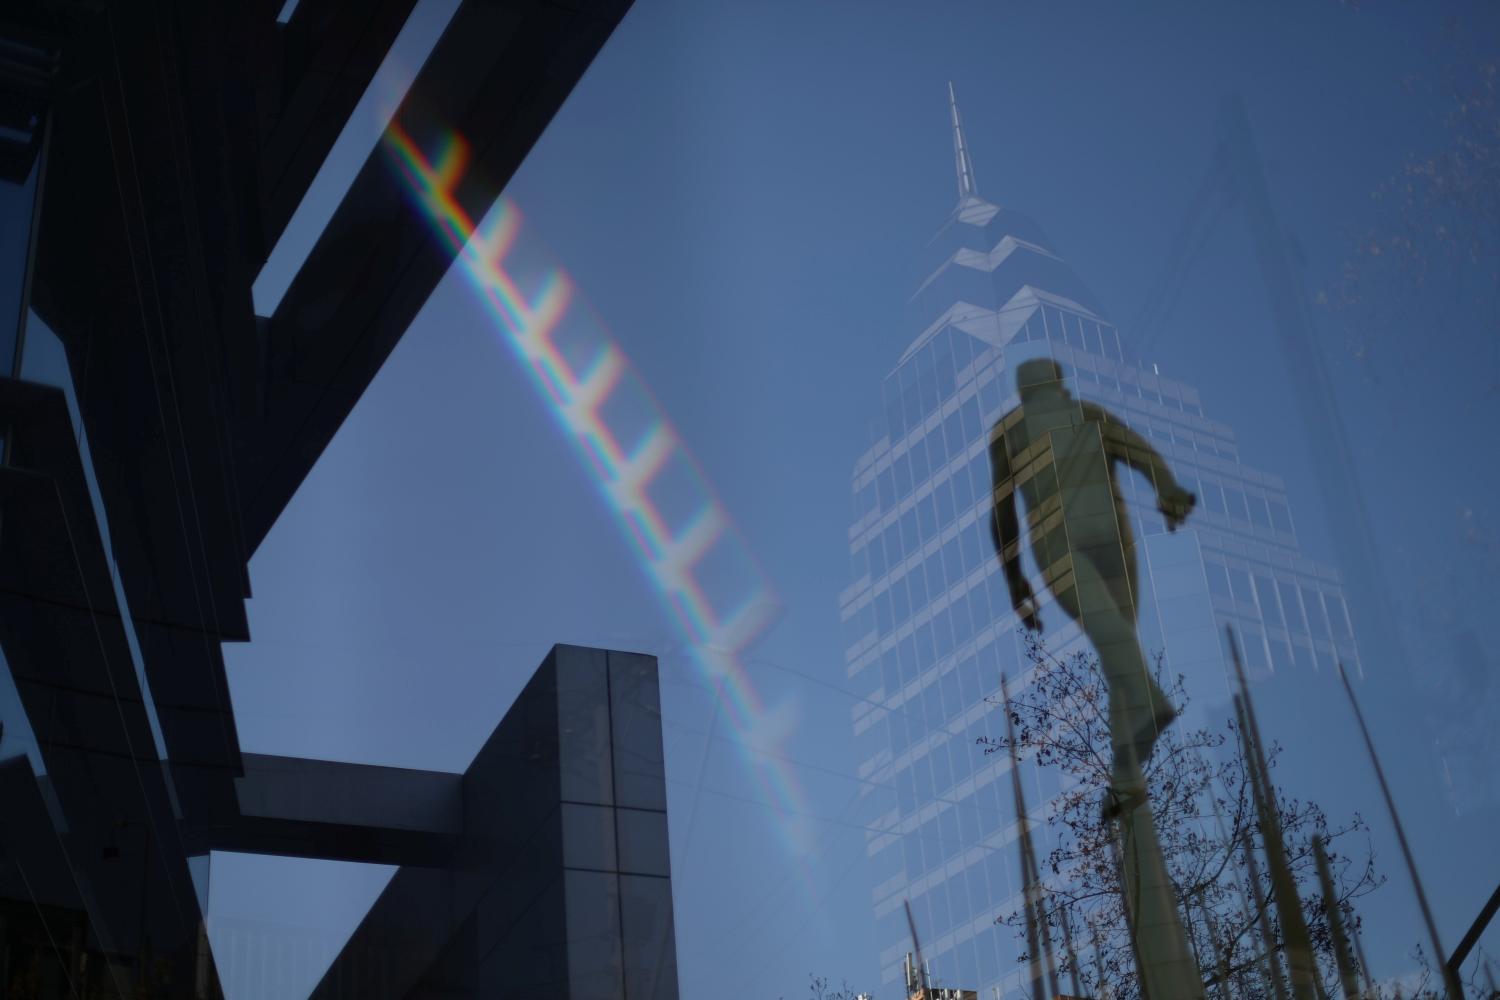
point(960, 150)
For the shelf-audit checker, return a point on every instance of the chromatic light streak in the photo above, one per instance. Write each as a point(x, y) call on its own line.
point(585, 377)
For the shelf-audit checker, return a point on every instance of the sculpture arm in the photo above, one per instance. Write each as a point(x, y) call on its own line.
point(1124, 444)
point(1005, 532)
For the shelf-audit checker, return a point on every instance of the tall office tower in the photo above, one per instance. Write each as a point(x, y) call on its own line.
point(928, 619)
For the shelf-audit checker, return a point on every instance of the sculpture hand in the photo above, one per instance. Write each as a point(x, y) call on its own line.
point(1026, 606)
point(1175, 504)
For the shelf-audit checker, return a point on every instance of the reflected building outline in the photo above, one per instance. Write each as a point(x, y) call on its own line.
point(928, 620)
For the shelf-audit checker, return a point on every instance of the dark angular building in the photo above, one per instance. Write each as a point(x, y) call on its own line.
point(154, 427)
point(561, 886)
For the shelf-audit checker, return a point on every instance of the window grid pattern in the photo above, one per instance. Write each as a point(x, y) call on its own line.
point(929, 629)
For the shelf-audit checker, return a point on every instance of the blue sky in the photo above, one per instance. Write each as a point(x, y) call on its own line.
point(744, 191)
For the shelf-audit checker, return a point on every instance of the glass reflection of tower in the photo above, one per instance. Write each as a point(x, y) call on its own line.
point(927, 617)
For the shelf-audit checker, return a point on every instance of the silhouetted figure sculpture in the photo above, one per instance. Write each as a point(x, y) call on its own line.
point(1059, 453)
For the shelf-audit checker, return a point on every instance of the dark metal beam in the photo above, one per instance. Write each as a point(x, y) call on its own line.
point(329, 54)
point(298, 807)
point(497, 76)
point(368, 795)
point(1456, 960)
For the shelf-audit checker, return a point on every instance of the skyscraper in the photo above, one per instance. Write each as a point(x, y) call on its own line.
point(929, 627)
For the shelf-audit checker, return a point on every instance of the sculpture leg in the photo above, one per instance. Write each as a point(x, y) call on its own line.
point(1164, 959)
point(1138, 711)
point(1138, 708)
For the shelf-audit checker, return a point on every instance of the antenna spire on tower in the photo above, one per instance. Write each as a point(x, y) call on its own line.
point(960, 150)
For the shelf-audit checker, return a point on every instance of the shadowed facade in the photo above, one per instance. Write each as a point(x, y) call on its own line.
point(561, 886)
point(154, 427)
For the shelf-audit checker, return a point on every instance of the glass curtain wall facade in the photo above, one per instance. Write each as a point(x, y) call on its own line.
point(928, 621)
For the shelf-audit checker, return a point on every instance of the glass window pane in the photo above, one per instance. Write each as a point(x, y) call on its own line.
point(649, 937)
point(595, 965)
point(583, 719)
point(588, 836)
point(643, 842)
point(635, 718)
point(1270, 610)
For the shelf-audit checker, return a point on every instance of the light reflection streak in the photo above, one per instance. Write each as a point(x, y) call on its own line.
point(698, 561)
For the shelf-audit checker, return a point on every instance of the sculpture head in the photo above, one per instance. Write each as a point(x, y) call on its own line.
point(1040, 378)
